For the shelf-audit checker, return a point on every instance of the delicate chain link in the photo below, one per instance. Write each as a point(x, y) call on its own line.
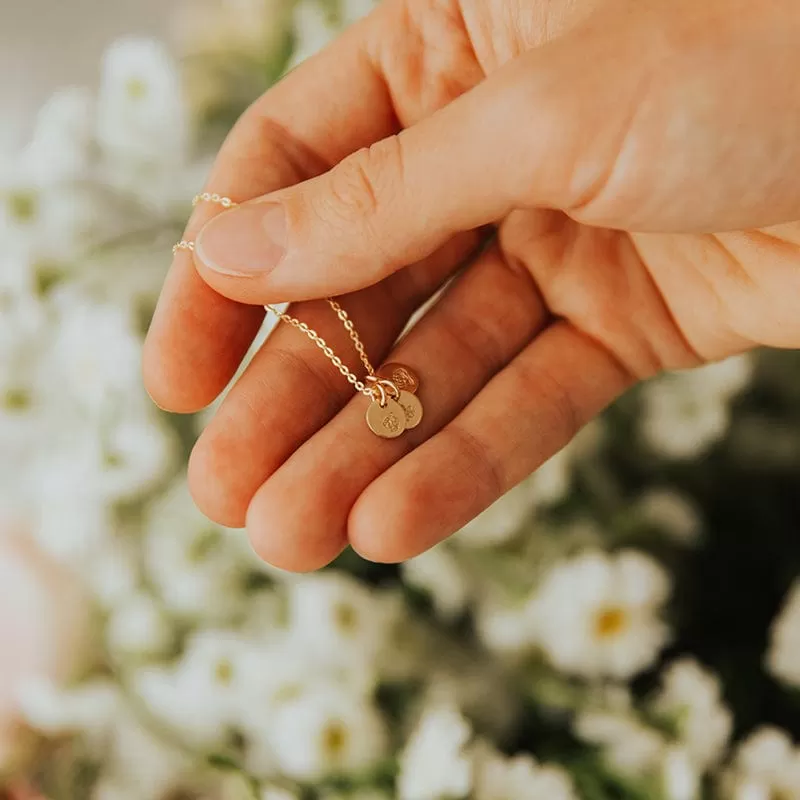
point(337, 362)
point(352, 378)
point(351, 330)
point(213, 198)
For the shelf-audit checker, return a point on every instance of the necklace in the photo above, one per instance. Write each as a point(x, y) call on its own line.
point(394, 407)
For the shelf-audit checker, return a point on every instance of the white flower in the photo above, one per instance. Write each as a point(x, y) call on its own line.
point(438, 573)
point(140, 109)
point(634, 749)
point(691, 695)
point(138, 765)
point(553, 479)
point(109, 788)
point(766, 766)
point(504, 627)
point(599, 615)
point(88, 467)
point(190, 561)
point(685, 413)
point(60, 146)
point(629, 746)
point(72, 518)
point(110, 570)
point(137, 627)
point(44, 213)
point(22, 315)
point(327, 731)
point(338, 620)
point(44, 210)
point(520, 778)
point(435, 763)
point(783, 658)
point(142, 131)
point(278, 670)
point(137, 452)
point(96, 352)
point(728, 377)
point(41, 221)
point(502, 520)
point(201, 696)
point(89, 708)
point(275, 793)
point(28, 417)
point(671, 513)
point(679, 775)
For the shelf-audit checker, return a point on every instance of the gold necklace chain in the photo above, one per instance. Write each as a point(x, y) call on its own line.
point(395, 407)
point(352, 378)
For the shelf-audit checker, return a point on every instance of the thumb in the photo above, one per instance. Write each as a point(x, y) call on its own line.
point(538, 132)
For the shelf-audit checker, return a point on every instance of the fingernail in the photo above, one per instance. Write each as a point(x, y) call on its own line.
point(245, 241)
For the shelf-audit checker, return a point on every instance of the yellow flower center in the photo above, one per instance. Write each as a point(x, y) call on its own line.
point(346, 617)
point(223, 672)
point(136, 88)
point(287, 692)
point(334, 740)
point(23, 206)
point(611, 622)
point(16, 400)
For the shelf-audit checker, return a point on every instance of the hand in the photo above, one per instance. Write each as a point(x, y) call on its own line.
point(631, 154)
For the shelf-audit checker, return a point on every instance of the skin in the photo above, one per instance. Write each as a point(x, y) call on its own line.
point(639, 161)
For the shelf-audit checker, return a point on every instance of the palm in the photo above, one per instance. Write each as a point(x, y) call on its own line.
point(659, 301)
point(549, 324)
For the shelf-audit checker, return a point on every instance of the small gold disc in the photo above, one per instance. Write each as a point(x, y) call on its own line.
point(387, 421)
point(412, 407)
point(401, 376)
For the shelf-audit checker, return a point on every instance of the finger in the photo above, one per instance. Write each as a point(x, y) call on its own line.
point(666, 132)
point(526, 136)
point(198, 338)
point(526, 414)
point(290, 389)
point(298, 518)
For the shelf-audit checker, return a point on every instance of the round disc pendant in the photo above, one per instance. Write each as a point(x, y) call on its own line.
point(412, 407)
point(401, 376)
point(388, 421)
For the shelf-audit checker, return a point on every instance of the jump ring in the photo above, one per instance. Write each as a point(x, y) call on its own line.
point(379, 394)
point(394, 391)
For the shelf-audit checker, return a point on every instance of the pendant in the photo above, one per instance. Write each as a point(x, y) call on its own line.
point(401, 376)
point(395, 407)
point(387, 420)
point(412, 409)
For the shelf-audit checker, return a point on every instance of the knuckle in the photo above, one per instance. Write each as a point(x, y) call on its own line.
point(462, 54)
point(362, 185)
point(477, 340)
point(486, 471)
point(321, 382)
point(564, 414)
point(352, 186)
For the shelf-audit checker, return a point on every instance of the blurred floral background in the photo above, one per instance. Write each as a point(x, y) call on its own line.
point(625, 625)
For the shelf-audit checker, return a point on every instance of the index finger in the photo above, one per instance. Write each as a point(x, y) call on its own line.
point(330, 106)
